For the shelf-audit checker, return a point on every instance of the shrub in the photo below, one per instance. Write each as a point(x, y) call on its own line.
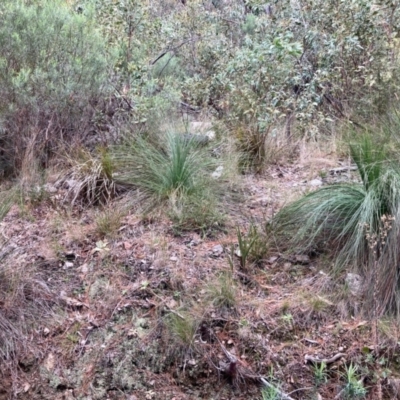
point(52, 74)
point(344, 217)
point(174, 172)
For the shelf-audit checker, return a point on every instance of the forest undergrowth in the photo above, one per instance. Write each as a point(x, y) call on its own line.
point(199, 199)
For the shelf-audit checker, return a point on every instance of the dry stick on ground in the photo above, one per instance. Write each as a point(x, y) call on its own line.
point(326, 361)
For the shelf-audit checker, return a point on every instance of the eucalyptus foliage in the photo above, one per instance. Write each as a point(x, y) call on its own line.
point(260, 62)
point(260, 67)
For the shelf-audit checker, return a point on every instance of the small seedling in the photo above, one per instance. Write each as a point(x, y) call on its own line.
point(270, 393)
point(354, 388)
point(320, 373)
point(287, 319)
point(245, 246)
point(182, 327)
point(322, 174)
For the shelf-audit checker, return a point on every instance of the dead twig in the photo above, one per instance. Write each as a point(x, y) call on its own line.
point(326, 361)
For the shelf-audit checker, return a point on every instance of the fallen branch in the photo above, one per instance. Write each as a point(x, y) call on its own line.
point(326, 361)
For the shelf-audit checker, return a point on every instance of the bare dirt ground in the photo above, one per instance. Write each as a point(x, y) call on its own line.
point(149, 314)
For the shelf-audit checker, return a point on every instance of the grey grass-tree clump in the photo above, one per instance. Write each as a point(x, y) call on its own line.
point(342, 218)
point(172, 173)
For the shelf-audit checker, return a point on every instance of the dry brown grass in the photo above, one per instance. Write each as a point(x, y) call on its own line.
point(27, 304)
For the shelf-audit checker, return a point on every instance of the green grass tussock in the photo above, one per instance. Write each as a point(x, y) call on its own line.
point(173, 173)
point(352, 220)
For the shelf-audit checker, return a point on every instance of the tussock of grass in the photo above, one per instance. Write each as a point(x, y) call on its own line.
point(108, 221)
point(337, 218)
point(172, 173)
point(223, 293)
point(90, 178)
point(25, 299)
point(8, 198)
point(182, 327)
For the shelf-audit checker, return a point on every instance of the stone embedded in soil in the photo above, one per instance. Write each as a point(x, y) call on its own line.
point(49, 362)
point(218, 172)
point(302, 259)
point(217, 250)
point(68, 264)
point(354, 283)
point(287, 265)
point(84, 268)
point(316, 182)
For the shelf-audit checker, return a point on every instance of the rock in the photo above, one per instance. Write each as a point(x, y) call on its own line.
point(200, 126)
point(315, 182)
point(218, 172)
point(210, 134)
point(354, 283)
point(49, 362)
point(217, 250)
point(50, 188)
point(68, 264)
point(84, 268)
point(302, 259)
point(69, 395)
point(263, 201)
point(287, 265)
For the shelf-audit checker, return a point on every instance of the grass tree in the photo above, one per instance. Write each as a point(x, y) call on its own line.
point(357, 221)
point(171, 172)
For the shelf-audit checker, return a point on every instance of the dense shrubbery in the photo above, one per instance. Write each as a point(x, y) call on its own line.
point(53, 71)
point(257, 67)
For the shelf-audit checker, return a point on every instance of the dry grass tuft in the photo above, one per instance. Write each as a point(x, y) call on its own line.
point(90, 178)
point(108, 221)
point(26, 304)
